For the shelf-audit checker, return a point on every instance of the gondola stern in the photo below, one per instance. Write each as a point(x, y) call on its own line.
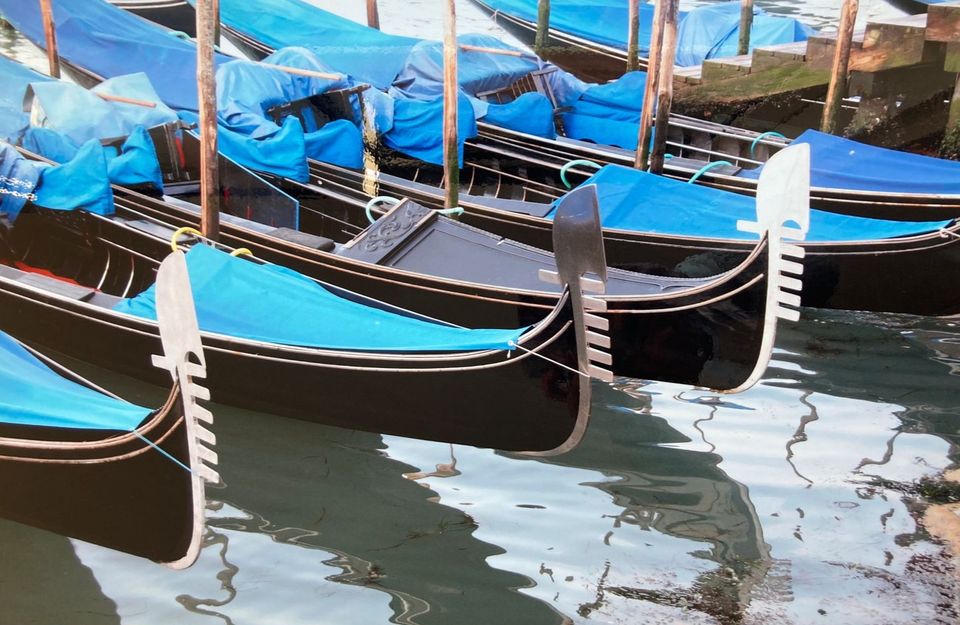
point(183, 358)
point(783, 218)
point(582, 269)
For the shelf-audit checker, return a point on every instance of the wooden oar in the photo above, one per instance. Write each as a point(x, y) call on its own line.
point(501, 51)
point(304, 72)
point(119, 98)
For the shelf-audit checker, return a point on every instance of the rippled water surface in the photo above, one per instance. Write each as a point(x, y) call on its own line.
point(789, 503)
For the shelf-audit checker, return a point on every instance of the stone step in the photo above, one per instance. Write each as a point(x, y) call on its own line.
point(886, 44)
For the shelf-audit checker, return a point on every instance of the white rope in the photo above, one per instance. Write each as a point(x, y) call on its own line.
point(559, 364)
point(164, 452)
point(944, 233)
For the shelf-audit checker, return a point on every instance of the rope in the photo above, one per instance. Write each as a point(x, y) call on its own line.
point(180, 231)
point(762, 136)
point(380, 199)
point(550, 360)
point(164, 452)
point(567, 166)
point(456, 210)
point(944, 233)
point(707, 168)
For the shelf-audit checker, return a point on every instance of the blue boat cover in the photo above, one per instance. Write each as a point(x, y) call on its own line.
point(838, 163)
point(609, 113)
point(636, 200)
point(710, 32)
point(109, 41)
point(81, 183)
point(170, 63)
point(61, 101)
point(366, 54)
point(713, 31)
point(64, 128)
point(33, 394)
point(237, 297)
point(15, 77)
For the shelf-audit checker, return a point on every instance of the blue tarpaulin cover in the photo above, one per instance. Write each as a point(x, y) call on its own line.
point(609, 113)
point(98, 36)
point(69, 116)
point(60, 102)
point(15, 78)
point(704, 32)
point(636, 200)
point(408, 68)
point(477, 73)
point(33, 394)
point(713, 31)
point(240, 298)
point(838, 163)
point(133, 45)
point(366, 54)
point(246, 91)
point(81, 183)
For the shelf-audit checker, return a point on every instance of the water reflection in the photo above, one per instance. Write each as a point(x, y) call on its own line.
point(903, 360)
point(660, 486)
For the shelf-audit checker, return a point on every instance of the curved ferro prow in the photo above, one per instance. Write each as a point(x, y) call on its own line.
point(783, 214)
point(183, 358)
point(582, 267)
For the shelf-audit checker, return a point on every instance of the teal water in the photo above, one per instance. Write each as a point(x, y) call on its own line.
point(790, 503)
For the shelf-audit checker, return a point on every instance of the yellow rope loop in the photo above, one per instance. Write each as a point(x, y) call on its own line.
point(181, 231)
point(241, 251)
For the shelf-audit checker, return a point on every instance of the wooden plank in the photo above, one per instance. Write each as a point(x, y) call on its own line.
point(943, 22)
point(952, 61)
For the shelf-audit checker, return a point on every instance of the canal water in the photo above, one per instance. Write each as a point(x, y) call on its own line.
point(792, 503)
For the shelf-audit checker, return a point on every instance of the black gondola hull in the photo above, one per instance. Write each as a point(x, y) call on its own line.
point(710, 337)
point(843, 275)
point(534, 407)
point(587, 61)
point(108, 488)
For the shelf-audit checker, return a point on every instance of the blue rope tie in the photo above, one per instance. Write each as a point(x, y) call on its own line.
point(578, 161)
point(380, 199)
point(707, 168)
point(762, 136)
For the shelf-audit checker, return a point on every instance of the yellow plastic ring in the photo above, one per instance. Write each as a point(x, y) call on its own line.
point(180, 231)
point(241, 251)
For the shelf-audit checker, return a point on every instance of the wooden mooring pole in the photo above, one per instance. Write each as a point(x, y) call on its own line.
point(665, 84)
point(746, 23)
point(841, 64)
point(650, 88)
point(633, 36)
point(216, 23)
point(207, 98)
point(50, 31)
point(373, 14)
point(451, 161)
point(543, 26)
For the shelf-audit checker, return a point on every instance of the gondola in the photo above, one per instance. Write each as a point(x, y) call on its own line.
point(843, 273)
point(843, 181)
point(79, 461)
point(277, 341)
point(719, 329)
point(595, 49)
